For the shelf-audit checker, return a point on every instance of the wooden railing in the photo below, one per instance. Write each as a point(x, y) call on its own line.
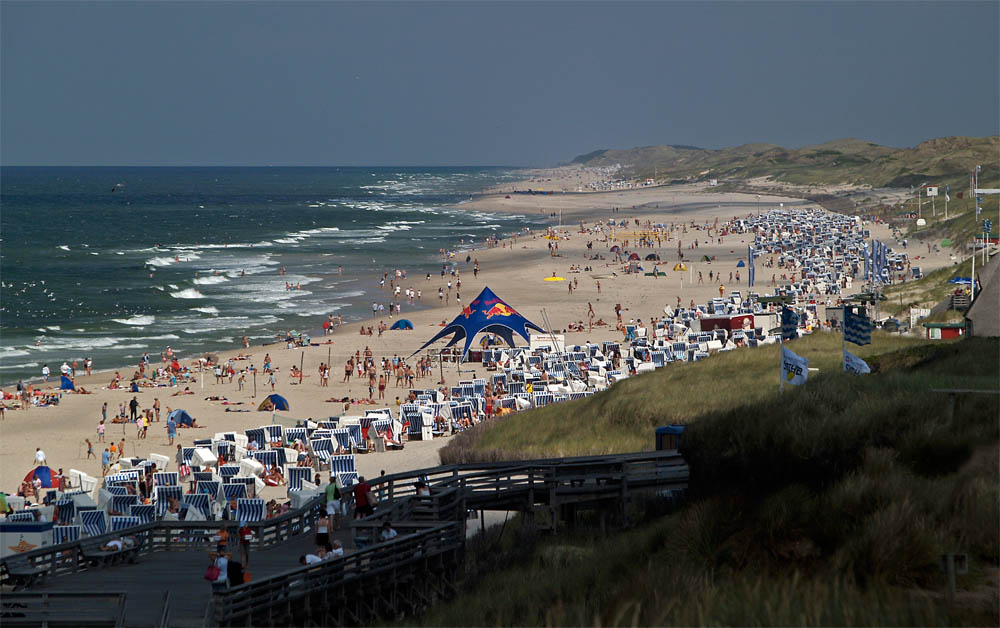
point(93, 608)
point(274, 600)
point(163, 536)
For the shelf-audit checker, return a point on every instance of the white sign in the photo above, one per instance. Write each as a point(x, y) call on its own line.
point(794, 368)
point(931, 190)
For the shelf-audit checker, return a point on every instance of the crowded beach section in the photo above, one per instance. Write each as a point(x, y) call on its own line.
point(620, 262)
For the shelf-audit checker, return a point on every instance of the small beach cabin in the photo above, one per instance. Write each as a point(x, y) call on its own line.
point(944, 331)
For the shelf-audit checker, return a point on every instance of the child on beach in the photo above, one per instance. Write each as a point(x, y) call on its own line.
point(100, 430)
point(90, 449)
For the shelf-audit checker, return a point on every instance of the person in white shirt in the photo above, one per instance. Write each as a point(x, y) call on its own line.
point(64, 369)
point(387, 532)
point(309, 559)
point(45, 373)
point(338, 549)
point(39, 456)
point(222, 581)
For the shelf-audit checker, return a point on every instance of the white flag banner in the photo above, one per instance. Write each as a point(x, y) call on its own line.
point(854, 364)
point(931, 190)
point(794, 368)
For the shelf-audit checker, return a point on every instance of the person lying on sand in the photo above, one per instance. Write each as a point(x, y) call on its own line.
point(237, 410)
point(215, 398)
point(187, 391)
point(194, 424)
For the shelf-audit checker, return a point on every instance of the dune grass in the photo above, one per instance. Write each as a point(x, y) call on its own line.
point(830, 505)
point(623, 418)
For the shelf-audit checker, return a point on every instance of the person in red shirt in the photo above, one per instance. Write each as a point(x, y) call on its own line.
point(361, 506)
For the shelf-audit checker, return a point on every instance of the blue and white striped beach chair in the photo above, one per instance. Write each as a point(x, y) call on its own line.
point(274, 433)
point(659, 358)
point(322, 448)
point(257, 435)
point(456, 392)
point(479, 386)
point(117, 490)
point(166, 478)
point(515, 388)
point(356, 440)
point(499, 380)
point(124, 477)
point(210, 488)
point(380, 426)
point(144, 512)
point(542, 399)
point(250, 510)
point(234, 491)
point(21, 516)
point(203, 476)
point(343, 437)
point(65, 534)
point(122, 503)
point(225, 448)
point(508, 402)
point(94, 522)
point(123, 523)
point(342, 464)
point(200, 501)
point(227, 471)
point(415, 421)
point(573, 396)
point(296, 475)
point(187, 453)
point(66, 510)
point(163, 494)
point(267, 457)
point(293, 434)
point(330, 424)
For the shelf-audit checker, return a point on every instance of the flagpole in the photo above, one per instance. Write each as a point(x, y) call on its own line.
point(781, 353)
point(843, 338)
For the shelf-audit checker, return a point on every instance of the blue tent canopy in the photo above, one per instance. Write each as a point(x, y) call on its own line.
point(961, 280)
point(741, 264)
point(486, 313)
point(402, 324)
point(181, 417)
point(67, 384)
point(279, 402)
point(43, 473)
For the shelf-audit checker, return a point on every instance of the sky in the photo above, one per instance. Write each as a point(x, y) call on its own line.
point(476, 83)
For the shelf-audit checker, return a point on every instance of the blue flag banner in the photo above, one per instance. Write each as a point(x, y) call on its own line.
point(854, 364)
point(789, 324)
point(857, 328)
point(868, 261)
point(750, 257)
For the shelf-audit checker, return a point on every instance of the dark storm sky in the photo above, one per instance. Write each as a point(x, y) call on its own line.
point(477, 83)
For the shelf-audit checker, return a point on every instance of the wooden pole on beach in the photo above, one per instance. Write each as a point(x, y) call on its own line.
point(302, 362)
point(255, 383)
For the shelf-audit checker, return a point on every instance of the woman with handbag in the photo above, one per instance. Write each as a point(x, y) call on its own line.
point(218, 572)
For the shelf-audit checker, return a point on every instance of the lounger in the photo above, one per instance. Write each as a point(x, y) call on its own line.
point(119, 523)
point(274, 433)
point(298, 475)
point(257, 435)
point(293, 434)
point(23, 516)
point(163, 495)
point(201, 502)
point(267, 457)
point(250, 510)
point(65, 534)
point(122, 503)
point(343, 438)
point(65, 509)
point(144, 512)
point(165, 479)
point(94, 522)
point(234, 490)
point(342, 464)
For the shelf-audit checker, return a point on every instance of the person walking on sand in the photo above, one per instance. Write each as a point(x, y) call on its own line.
point(100, 431)
point(90, 449)
point(272, 380)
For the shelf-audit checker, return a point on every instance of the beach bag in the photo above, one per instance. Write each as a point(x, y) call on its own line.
point(212, 573)
point(372, 500)
point(184, 470)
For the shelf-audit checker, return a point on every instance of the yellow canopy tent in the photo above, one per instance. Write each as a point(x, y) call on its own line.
point(680, 266)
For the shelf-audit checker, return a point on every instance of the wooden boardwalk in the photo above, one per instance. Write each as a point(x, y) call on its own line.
point(374, 581)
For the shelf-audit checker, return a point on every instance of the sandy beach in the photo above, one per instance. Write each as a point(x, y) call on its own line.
point(515, 270)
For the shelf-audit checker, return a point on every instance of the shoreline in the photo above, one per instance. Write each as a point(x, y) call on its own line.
point(514, 270)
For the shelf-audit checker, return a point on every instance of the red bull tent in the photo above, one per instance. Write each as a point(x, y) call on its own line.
point(487, 313)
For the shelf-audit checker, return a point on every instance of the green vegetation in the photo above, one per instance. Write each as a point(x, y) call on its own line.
point(925, 292)
point(623, 418)
point(943, 160)
point(829, 505)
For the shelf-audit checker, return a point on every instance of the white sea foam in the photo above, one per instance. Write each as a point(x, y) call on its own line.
point(187, 293)
point(160, 261)
point(172, 286)
point(206, 310)
point(211, 279)
point(11, 367)
point(54, 327)
point(64, 247)
point(137, 319)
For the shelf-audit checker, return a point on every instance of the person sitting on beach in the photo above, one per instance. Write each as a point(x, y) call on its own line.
point(387, 533)
point(194, 424)
point(274, 477)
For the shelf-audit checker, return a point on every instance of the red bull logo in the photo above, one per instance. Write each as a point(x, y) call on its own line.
point(500, 309)
point(467, 311)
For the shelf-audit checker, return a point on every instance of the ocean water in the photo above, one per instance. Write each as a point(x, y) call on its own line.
point(112, 262)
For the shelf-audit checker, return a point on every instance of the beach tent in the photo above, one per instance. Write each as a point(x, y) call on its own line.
point(402, 324)
point(946, 242)
point(706, 258)
point(554, 279)
point(42, 473)
point(962, 281)
point(487, 313)
point(181, 417)
point(680, 266)
point(616, 249)
point(741, 264)
point(67, 384)
point(277, 401)
point(652, 256)
point(633, 257)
